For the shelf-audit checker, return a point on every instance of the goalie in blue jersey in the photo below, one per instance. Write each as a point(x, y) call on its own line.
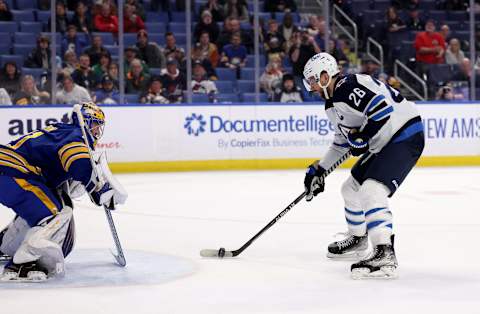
point(373, 121)
point(39, 172)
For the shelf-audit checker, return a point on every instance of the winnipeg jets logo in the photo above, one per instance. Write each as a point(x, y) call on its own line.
point(195, 124)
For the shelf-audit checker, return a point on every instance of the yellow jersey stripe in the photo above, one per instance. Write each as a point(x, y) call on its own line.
point(12, 160)
point(12, 165)
point(70, 152)
point(20, 160)
point(68, 146)
point(25, 138)
point(24, 184)
point(75, 157)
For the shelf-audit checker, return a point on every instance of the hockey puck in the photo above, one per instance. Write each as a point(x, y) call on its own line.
point(221, 252)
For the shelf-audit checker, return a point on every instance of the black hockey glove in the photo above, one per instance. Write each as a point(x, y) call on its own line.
point(358, 142)
point(314, 183)
point(104, 196)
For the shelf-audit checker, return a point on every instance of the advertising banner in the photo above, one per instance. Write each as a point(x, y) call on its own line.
point(229, 132)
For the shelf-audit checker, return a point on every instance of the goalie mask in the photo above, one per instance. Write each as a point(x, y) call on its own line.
point(94, 119)
point(319, 63)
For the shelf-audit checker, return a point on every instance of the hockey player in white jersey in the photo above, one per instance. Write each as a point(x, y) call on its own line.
point(372, 120)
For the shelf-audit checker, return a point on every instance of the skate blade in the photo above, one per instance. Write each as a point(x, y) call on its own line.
point(351, 256)
point(385, 272)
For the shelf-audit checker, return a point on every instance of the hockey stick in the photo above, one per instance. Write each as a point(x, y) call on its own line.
point(119, 257)
point(223, 253)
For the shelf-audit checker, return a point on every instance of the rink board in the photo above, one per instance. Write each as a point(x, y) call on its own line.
point(268, 136)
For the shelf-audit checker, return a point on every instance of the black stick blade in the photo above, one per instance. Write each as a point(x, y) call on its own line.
point(216, 253)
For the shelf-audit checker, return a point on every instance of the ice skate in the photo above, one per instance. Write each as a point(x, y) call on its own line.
point(4, 257)
point(28, 272)
point(382, 264)
point(352, 247)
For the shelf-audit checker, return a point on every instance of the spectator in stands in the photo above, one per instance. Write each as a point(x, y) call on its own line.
point(215, 8)
point(106, 21)
point(83, 75)
point(107, 94)
point(287, 29)
point(394, 22)
point(236, 9)
point(5, 13)
point(4, 98)
point(414, 21)
point(113, 73)
point(132, 22)
point(280, 6)
point(101, 68)
point(273, 33)
point(61, 18)
point(10, 77)
point(164, 5)
point(96, 50)
point(335, 51)
point(206, 25)
point(40, 56)
point(149, 51)
point(271, 79)
point(289, 91)
point(303, 48)
point(73, 41)
point(454, 55)
point(204, 49)
point(314, 24)
point(369, 67)
point(200, 81)
point(171, 50)
point(29, 94)
point(70, 62)
point(139, 10)
point(173, 81)
point(321, 32)
point(344, 46)
point(154, 94)
point(445, 93)
point(234, 55)
point(445, 32)
point(430, 47)
point(136, 80)
point(131, 53)
point(72, 93)
point(82, 18)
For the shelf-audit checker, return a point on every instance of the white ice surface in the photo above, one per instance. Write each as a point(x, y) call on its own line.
point(170, 217)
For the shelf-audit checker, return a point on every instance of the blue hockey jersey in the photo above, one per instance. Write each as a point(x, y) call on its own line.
point(51, 155)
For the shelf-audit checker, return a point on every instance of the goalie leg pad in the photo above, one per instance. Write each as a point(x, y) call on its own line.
point(43, 243)
point(13, 236)
point(374, 198)
point(354, 213)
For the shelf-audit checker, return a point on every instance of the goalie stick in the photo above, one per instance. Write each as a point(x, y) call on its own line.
point(119, 257)
point(224, 253)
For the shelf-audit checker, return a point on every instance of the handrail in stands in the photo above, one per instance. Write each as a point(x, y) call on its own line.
point(371, 41)
point(396, 66)
point(354, 37)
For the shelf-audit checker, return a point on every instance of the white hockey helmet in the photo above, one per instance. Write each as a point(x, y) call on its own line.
point(319, 63)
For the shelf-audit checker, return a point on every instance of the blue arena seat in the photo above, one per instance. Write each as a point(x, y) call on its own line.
point(43, 16)
point(178, 17)
point(427, 5)
point(18, 59)
point(199, 98)
point(157, 17)
point(227, 98)
point(35, 72)
point(113, 49)
point(250, 97)
point(107, 38)
point(158, 38)
point(31, 27)
point(438, 15)
point(226, 74)
point(459, 16)
point(246, 86)
point(155, 71)
point(26, 4)
point(5, 46)
point(181, 39)
point(21, 49)
point(247, 73)
point(155, 27)
point(132, 99)
point(23, 15)
point(439, 73)
point(8, 27)
point(129, 39)
point(361, 5)
point(251, 61)
point(176, 28)
point(25, 38)
point(224, 86)
point(58, 36)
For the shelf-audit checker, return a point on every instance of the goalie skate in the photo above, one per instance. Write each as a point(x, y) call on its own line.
point(28, 272)
point(4, 257)
point(352, 247)
point(381, 265)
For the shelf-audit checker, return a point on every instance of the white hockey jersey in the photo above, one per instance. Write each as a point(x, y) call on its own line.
point(364, 103)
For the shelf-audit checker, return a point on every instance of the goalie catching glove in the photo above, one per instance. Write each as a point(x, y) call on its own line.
point(314, 183)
